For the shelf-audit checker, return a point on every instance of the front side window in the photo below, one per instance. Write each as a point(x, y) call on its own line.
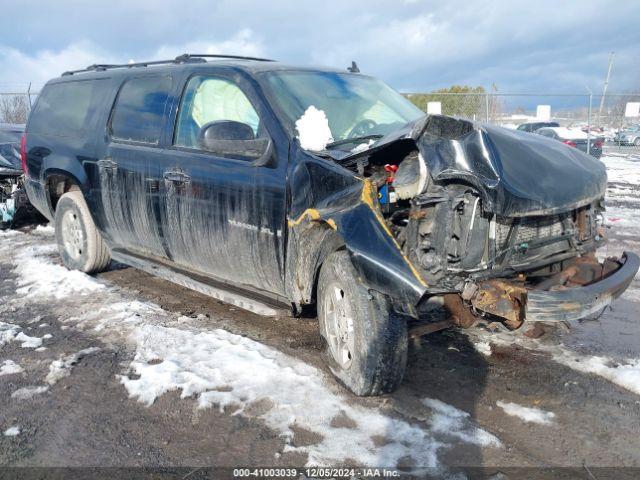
point(139, 109)
point(208, 100)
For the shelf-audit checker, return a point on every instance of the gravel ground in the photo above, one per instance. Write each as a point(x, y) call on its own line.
point(127, 370)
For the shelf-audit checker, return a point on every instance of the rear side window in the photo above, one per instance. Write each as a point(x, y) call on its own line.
point(64, 109)
point(137, 115)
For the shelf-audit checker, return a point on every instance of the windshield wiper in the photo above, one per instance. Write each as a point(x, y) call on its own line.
point(346, 141)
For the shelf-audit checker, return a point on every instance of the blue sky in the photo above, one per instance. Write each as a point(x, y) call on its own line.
point(415, 45)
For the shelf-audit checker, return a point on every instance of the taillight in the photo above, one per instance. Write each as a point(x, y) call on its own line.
point(569, 142)
point(23, 153)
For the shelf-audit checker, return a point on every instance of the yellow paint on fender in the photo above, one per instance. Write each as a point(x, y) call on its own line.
point(369, 196)
point(310, 213)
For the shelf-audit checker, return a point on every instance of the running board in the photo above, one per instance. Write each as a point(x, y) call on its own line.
point(237, 299)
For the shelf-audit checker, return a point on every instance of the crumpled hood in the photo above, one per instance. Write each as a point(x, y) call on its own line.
point(518, 173)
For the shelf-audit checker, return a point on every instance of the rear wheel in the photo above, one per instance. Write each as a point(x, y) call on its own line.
point(366, 339)
point(79, 243)
point(637, 142)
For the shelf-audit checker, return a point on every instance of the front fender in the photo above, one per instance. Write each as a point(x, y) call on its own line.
point(351, 219)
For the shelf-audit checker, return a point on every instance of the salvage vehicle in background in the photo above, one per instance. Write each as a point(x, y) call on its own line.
point(628, 136)
point(533, 126)
point(575, 138)
point(318, 191)
point(14, 203)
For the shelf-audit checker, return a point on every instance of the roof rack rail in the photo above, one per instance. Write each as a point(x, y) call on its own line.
point(187, 56)
point(184, 58)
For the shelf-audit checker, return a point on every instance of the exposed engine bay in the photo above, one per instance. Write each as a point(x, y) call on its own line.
point(458, 211)
point(447, 231)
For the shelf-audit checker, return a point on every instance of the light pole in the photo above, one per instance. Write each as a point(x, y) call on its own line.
point(589, 121)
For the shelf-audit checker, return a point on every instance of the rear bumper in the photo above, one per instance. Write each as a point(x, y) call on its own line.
point(515, 303)
point(38, 197)
point(580, 302)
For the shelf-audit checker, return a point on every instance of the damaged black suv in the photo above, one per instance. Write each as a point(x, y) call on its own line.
point(276, 187)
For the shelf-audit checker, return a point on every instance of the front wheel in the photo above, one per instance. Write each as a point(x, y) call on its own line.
point(366, 339)
point(79, 243)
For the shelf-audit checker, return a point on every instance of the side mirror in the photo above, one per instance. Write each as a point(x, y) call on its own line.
point(229, 138)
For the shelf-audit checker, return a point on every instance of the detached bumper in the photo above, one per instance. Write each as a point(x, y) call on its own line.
point(515, 303)
point(580, 302)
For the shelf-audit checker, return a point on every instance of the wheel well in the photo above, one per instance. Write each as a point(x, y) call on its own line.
point(312, 307)
point(58, 185)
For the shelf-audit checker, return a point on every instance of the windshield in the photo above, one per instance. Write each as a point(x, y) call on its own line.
point(355, 105)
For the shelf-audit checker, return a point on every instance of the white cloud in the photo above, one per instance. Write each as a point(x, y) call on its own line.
point(241, 43)
point(20, 68)
point(413, 45)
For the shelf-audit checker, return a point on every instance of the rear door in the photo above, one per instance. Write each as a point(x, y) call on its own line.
point(128, 167)
point(223, 214)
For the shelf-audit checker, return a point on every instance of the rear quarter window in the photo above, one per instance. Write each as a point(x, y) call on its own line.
point(64, 109)
point(139, 109)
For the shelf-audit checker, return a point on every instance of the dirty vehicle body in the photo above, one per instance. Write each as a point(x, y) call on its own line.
point(399, 209)
point(14, 203)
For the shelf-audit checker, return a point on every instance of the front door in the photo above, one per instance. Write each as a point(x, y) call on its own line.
point(223, 214)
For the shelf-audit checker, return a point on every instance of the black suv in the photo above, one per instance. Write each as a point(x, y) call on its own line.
point(318, 190)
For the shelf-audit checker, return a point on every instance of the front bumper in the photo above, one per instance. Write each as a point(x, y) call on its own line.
point(581, 302)
point(515, 303)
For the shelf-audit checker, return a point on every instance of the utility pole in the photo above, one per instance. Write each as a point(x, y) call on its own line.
point(606, 84)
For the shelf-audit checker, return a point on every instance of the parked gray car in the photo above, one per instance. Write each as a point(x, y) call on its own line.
point(574, 138)
point(628, 136)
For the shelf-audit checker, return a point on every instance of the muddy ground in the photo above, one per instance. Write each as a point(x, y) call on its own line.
point(88, 418)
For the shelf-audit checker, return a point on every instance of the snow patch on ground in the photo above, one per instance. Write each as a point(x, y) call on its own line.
point(313, 130)
point(62, 367)
point(229, 371)
point(39, 277)
point(28, 392)
point(10, 332)
point(12, 432)
point(9, 367)
point(122, 316)
point(622, 169)
point(528, 414)
point(623, 373)
point(483, 347)
point(44, 230)
point(449, 420)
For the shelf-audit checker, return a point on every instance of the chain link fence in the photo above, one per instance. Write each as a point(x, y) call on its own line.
point(15, 106)
point(601, 115)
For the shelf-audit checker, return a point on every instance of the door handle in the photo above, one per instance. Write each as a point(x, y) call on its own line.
point(176, 176)
point(107, 164)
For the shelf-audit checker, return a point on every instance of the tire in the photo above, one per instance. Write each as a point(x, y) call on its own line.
point(637, 142)
point(79, 243)
point(367, 350)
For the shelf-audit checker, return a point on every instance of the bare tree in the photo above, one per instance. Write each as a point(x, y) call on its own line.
point(14, 108)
